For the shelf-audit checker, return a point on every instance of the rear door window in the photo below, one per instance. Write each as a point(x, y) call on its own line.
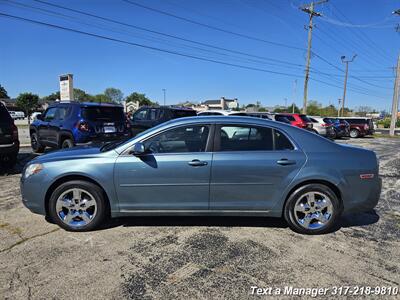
point(245, 138)
point(141, 115)
point(281, 141)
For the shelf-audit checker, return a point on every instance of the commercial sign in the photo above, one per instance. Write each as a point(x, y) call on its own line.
point(66, 87)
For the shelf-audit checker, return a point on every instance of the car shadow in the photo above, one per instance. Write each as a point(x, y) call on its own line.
point(202, 221)
point(358, 219)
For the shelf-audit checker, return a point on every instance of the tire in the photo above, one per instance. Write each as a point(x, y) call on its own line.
point(85, 213)
point(314, 220)
point(67, 143)
point(354, 133)
point(37, 147)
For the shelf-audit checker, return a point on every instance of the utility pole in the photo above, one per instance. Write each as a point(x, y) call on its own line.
point(165, 96)
point(338, 109)
point(345, 79)
point(395, 104)
point(309, 9)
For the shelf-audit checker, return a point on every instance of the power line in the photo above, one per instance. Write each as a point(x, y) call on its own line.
point(144, 46)
point(165, 34)
point(212, 27)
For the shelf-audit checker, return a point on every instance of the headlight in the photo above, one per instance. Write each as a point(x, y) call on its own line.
point(33, 169)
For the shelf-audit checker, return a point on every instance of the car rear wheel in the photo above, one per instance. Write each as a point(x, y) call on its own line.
point(78, 206)
point(37, 147)
point(67, 143)
point(312, 209)
point(354, 133)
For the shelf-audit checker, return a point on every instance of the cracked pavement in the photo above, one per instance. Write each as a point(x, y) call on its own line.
point(197, 257)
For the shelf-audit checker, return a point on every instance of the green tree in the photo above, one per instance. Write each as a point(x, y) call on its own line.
point(3, 93)
point(143, 100)
point(52, 97)
point(28, 102)
point(101, 98)
point(82, 96)
point(114, 95)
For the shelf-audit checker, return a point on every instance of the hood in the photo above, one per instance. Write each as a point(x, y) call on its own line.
point(73, 153)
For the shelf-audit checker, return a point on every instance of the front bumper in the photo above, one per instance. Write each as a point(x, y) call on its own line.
point(33, 192)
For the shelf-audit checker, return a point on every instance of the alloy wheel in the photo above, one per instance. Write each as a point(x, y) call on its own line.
point(76, 207)
point(313, 210)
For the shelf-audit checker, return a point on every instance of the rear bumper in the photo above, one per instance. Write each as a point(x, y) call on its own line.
point(366, 198)
point(100, 138)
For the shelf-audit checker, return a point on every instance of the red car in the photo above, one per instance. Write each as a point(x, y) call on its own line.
point(298, 120)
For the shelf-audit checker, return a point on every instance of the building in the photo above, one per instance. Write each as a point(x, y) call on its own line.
point(223, 103)
point(10, 104)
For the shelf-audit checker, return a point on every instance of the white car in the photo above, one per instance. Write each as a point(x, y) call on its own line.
point(215, 112)
point(34, 115)
point(20, 115)
point(321, 127)
point(13, 115)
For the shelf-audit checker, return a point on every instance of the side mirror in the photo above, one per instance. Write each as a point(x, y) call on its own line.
point(138, 149)
point(39, 117)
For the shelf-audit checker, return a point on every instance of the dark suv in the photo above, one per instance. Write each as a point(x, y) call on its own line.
point(360, 127)
point(148, 116)
point(66, 124)
point(9, 143)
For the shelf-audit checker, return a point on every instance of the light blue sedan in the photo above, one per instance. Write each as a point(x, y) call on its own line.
point(239, 166)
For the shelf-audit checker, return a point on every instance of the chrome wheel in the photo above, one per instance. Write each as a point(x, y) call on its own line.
point(76, 207)
point(313, 210)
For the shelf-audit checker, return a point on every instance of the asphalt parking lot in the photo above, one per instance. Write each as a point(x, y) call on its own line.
point(197, 257)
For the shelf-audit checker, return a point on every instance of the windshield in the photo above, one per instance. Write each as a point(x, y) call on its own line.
point(103, 113)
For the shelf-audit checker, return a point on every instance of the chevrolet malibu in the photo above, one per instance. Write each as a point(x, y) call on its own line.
point(215, 165)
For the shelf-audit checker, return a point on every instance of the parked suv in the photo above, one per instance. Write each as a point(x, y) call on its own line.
point(360, 127)
point(9, 143)
point(298, 120)
point(322, 128)
point(148, 116)
point(65, 125)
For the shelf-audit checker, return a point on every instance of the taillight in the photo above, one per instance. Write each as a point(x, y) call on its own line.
point(83, 126)
point(325, 125)
point(14, 132)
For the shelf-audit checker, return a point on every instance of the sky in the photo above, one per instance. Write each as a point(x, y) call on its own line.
point(253, 50)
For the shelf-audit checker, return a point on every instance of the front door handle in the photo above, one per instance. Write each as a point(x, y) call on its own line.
point(286, 162)
point(197, 163)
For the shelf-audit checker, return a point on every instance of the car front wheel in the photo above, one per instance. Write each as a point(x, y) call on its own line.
point(78, 206)
point(312, 209)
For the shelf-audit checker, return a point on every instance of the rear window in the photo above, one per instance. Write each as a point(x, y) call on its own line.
point(103, 113)
point(4, 115)
point(183, 113)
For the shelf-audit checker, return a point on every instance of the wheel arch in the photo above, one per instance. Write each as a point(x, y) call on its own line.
point(62, 135)
point(325, 182)
point(71, 177)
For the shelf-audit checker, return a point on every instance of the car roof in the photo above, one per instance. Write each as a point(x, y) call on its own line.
point(169, 107)
point(85, 104)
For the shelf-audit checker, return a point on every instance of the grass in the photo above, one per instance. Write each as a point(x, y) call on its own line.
point(386, 136)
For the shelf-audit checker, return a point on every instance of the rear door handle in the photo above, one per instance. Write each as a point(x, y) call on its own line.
point(286, 162)
point(197, 163)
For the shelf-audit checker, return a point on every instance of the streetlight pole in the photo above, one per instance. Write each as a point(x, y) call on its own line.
point(338, 110)
point(165, 95)
point(345, 79)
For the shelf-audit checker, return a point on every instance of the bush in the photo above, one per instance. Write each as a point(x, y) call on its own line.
point(386, 123)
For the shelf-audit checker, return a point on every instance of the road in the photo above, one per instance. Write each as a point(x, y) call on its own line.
point(197, 257)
